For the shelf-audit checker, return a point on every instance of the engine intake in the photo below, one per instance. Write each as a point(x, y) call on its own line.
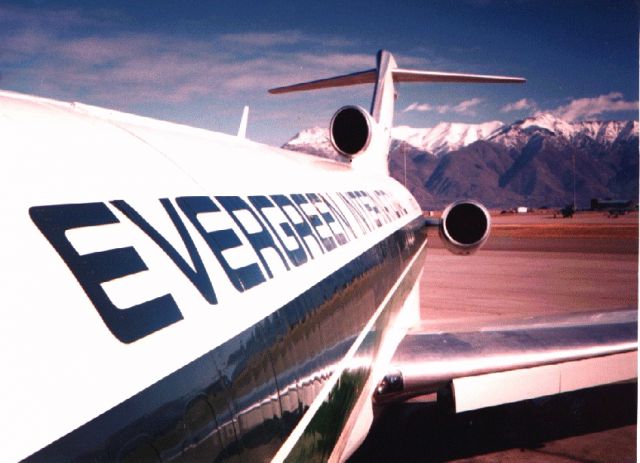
point(464, 227)
point(350, 130)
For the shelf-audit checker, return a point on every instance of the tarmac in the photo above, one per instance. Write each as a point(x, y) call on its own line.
point(532, 265)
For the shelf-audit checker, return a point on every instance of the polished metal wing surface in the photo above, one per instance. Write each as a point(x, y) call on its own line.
point(509, 362)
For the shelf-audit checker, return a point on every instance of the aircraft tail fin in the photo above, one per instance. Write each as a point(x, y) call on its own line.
point(384, 76)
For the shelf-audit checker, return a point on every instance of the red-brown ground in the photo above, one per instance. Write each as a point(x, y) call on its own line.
point(531, 265)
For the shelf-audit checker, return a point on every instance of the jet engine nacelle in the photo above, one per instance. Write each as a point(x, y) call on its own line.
point(351, 130)
point(464, 226)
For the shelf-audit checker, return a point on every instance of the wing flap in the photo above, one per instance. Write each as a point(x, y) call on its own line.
point(426, 362)
point(474, 392)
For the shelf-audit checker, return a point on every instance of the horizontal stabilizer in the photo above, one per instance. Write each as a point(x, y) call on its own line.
point(399, 75)
point(410, 75)
point(362, 77)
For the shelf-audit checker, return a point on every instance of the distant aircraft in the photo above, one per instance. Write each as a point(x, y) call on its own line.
point(174, 294)
point(615, 207)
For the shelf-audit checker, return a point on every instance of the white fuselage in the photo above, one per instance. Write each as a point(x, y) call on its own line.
point(128, 190)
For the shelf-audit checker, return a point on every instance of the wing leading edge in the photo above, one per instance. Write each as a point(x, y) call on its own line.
point(512, 363)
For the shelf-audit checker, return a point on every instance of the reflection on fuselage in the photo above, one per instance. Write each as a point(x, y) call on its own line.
point(241, 400)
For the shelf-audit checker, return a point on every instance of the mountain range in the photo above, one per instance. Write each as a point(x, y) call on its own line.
point(533, 162)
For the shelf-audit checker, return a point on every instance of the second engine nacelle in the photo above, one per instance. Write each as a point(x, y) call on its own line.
point(351, 130)
point(464, 226)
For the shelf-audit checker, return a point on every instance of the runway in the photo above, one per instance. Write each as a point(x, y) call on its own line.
point(532, 265)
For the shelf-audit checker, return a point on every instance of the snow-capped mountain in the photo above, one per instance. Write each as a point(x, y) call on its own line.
point(446, 136)
point(443, 138)
point(603, 132)
point(316, 137)
point(532, 162)
point(451, 136)
point(536, 162)
point(313, 141)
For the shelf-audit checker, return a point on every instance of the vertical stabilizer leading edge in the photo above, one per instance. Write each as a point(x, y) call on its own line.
point(364, 137)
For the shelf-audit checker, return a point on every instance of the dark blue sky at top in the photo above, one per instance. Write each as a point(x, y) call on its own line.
point(568, 50)
point(521, 36)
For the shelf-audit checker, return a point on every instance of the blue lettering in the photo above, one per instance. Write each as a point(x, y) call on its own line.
point(242, 278)
point(198, 277)
point(347, 199)
point(259, 240)
point(297, 256)
point(328, 242)
point(302, 228)
point(91, 270)
point(342, 220)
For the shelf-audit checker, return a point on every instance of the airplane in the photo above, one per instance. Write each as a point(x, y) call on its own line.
point(176, 294)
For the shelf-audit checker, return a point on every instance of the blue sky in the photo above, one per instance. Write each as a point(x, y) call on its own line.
point(199, 63)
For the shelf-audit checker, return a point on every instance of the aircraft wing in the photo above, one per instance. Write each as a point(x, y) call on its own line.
point(502, 364)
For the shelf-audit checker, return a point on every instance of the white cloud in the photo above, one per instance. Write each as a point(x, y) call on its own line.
point(284, 37)
point(466, 107)
point(588, 108)
point(93, 56)
point(519, 105)
point(81, 59)
point(420, 107)
point(263, 39)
